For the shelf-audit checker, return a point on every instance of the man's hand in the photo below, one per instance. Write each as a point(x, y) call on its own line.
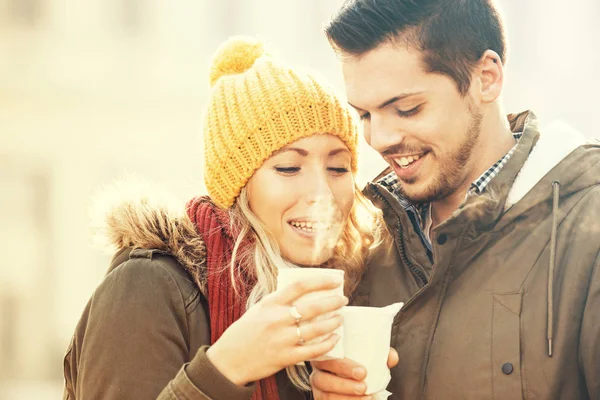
point(342, 379)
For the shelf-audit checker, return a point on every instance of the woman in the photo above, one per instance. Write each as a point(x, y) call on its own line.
point(188, 309)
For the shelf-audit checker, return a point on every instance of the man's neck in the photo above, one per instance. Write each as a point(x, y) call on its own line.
point(496, 140)
point(442, 209)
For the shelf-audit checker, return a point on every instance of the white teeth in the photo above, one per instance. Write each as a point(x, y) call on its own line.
point(402, 162)
point(313, 226)
point(305, 226)
point(406, 161)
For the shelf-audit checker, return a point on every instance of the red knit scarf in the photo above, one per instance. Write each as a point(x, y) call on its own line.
point(225, 305)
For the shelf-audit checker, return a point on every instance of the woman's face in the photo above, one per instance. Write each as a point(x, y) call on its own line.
point(303, 195)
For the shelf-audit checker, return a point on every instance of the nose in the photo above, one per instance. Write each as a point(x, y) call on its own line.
point(321, 201)
point(381, 135)
point(319, 189)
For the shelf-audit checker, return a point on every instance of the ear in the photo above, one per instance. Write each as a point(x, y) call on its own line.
point(490, 73)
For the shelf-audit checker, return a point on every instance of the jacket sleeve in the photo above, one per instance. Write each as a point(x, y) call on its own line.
point(132, 344)
point(589, 346)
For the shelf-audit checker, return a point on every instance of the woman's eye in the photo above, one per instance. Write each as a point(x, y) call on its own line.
point(408, 113)
point(339, 171)
point(365, 116)
point(287, 170)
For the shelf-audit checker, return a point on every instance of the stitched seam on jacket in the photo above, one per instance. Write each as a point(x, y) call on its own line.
point(494, 302)
point(176, 392)
point(524, 356)
point(445, 284)
point(187, 327)
point(557, 229)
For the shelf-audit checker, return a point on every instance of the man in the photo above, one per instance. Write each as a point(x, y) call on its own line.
point(493, 224)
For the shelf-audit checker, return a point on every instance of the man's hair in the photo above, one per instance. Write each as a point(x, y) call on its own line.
point(451, 34)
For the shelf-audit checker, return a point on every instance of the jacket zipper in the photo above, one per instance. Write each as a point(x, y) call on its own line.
point(400, 241)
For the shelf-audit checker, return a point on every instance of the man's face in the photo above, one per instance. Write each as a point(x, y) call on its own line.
point(418, 121)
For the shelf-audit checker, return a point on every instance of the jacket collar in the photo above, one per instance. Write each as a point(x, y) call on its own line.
point(520, 185)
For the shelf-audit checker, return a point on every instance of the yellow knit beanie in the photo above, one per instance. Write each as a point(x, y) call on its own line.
point(257, 106)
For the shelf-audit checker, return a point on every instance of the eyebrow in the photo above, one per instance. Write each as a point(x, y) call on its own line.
point(338, 151)
point(302, 152)
point(389, 101)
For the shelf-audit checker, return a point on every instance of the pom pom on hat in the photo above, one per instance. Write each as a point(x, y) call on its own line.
point(235, 56)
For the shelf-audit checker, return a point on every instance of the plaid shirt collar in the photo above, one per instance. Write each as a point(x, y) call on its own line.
point(480, 184)
point(390, 182)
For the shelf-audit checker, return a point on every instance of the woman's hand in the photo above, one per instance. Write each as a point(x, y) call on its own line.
point(266, 338)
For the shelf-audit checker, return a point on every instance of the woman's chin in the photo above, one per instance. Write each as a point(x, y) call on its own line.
point(308, 258)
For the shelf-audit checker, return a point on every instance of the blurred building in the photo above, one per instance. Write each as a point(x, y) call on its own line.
point(91, 89)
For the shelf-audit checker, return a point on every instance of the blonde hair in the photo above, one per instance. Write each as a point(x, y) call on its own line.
point(262, 256)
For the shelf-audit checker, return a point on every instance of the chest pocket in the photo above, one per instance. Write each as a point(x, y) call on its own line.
point(506, 346)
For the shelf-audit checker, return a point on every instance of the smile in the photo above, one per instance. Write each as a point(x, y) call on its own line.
point(309, 226)
point(406, 161)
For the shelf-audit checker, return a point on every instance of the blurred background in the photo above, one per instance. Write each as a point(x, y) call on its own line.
point(91, 89)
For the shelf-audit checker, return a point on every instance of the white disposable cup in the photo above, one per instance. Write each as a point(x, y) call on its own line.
point(289, 276)
point(367, 336)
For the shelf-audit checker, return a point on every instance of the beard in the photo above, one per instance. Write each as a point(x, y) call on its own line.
point(451, 175)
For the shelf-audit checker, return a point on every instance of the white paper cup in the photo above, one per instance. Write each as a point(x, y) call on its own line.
point(289, 276)
point(367, 336)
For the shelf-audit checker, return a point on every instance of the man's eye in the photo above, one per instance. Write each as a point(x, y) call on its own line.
point(288, 170)
point(408, 113)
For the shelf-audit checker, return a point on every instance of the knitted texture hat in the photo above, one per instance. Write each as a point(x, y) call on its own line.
point(257, 106)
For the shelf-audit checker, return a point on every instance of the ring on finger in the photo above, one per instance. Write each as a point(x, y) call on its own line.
point(295, 314)
point(300, 338)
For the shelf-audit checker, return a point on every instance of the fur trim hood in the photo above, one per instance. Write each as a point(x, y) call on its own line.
point(138, 215)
